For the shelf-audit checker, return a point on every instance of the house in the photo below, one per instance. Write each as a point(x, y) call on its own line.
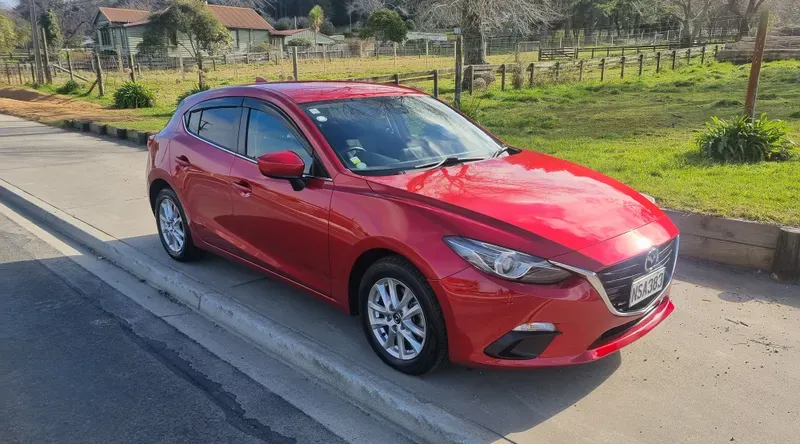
point(118, 29)
point(282, 38)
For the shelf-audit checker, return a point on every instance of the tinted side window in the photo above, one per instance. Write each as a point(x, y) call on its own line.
point(219, 125)
point(269, 133)
point(193, 121)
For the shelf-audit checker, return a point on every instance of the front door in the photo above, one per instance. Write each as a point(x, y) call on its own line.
point(279, 228)
point(202, 157)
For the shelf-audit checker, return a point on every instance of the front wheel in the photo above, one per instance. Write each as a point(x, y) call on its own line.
point(401, 317)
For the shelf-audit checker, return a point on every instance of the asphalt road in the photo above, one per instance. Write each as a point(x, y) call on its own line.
point(72, 370)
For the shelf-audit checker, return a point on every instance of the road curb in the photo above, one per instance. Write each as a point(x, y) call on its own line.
point(421, 420)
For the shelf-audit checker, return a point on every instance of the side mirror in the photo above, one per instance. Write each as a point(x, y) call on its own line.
point(283, 165)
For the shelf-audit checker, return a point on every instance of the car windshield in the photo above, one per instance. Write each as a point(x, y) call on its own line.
point(389, 135)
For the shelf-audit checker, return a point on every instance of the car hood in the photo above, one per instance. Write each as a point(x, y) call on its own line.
point(549, 197)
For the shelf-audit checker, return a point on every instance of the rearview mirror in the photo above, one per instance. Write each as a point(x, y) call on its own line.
point(283, 165)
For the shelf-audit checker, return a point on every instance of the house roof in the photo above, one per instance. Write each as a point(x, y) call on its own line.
point(121, 15)
point(239, 18)
point(232, 17)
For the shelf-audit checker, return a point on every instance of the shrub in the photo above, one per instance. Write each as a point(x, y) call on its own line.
point(744, 140)
point(71, 87)
point(795, 115)
point(683, 83)
point(300, 42)
point(134, 95)
point(478, 83)
point(191, 92)
point(728, 102)
point(487, 77)
point(262, 47)
point(470, 108)
point(517, 75)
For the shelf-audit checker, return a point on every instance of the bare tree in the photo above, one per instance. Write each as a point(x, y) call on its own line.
point(365, 8)
point(477, 18)
point(691, 14)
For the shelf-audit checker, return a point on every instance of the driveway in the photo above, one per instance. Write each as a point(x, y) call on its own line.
point(722, 368)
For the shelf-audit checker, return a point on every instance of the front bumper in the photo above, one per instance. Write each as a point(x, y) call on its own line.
point(480, 310)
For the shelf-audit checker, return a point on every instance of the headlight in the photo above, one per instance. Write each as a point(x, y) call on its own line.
point(505, 263)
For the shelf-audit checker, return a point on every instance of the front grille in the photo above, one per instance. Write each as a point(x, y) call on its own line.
point(617, 279)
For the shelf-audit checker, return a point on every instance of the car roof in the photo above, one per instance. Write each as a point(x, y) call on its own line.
point(319, 91)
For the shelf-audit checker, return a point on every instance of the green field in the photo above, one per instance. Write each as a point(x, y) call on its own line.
point(639, 130)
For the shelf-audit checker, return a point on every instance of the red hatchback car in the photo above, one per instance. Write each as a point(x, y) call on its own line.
point(391, 205)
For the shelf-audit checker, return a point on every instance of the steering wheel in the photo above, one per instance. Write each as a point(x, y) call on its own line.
point(353, 150)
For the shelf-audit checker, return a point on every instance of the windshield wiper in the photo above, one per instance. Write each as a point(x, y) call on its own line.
point(447, 161)
point(505, 149)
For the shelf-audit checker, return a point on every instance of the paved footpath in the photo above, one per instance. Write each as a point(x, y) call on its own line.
point(723, 368)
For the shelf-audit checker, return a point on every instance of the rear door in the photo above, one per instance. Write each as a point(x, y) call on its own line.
point(202, 157)
point(280, 228)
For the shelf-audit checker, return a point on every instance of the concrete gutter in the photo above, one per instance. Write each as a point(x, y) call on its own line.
point(421, 420)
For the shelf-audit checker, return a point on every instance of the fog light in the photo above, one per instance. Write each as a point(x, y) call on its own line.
point(536, 326)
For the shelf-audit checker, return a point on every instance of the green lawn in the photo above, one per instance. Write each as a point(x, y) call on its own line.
point(640, 131)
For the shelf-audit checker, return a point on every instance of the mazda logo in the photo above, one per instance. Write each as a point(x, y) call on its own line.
point(651, 260)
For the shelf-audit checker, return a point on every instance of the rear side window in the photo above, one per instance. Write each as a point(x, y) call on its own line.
point(217, 125)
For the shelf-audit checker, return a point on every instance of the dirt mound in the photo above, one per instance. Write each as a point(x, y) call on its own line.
point(52, 108)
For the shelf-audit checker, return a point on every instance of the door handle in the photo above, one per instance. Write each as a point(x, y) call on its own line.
point(242, 187)
point(182, 161)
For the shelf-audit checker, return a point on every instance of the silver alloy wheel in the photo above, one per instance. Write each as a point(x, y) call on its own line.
point(172, 231)
point(396, 318)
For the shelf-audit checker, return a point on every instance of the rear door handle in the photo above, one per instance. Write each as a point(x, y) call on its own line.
point(182, 161)
point(242, 187)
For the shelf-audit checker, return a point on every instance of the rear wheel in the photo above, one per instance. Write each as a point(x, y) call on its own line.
point(173, 229)
point(401, 317)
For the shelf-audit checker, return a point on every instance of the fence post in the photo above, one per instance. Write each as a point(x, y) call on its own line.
point(471, 78)
point(19, 71)
point(139, 69)
point(133, 68)
point(48, 76)
point(459, 61)
point(703, 55)
point(539, 56)
point(503, 77)
point(247, 58)
point(602, 69)
point(119, 58)
point(592, 53)
point(689, 56)
point(558, 68)
point(8, 73)
point(608, 51)
point(396, 78)
point(201, 79)
point(622, 70)
point(623, 51)
point(641, 64)
point(716, 50)
point(101, 87)
point(294, 63)
point(213, 63)
point(674, 54)
point(530, 81)
point(33, 73)
point(69, 66)
point(580, 71)
point(436, 83)
point(658, 62)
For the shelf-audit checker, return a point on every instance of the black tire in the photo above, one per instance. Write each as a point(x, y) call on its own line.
point(189, 251)
point(434, 349)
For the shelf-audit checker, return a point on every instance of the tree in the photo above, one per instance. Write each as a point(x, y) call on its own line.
point(52, 32)
point(478, 17)
point(745, 11)
point(74, 16)
point(327, 28)
point(8, 36)
point(299, 41)
point(315, 18)
point(284, 23)
point(385, 26)
point(189, 19)
point(691, 14)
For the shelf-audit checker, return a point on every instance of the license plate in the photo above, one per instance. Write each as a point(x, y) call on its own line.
point(646, 286)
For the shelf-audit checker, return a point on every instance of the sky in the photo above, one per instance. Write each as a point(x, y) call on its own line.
point(6, 4)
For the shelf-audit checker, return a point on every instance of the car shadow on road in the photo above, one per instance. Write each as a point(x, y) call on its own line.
point(738, 284)
point(504, 401)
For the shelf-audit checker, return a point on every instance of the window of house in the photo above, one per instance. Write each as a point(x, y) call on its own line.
point(235, 34)
point(173, 38)
point(105, 38)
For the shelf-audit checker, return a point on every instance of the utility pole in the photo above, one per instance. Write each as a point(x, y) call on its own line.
point(35, 38)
